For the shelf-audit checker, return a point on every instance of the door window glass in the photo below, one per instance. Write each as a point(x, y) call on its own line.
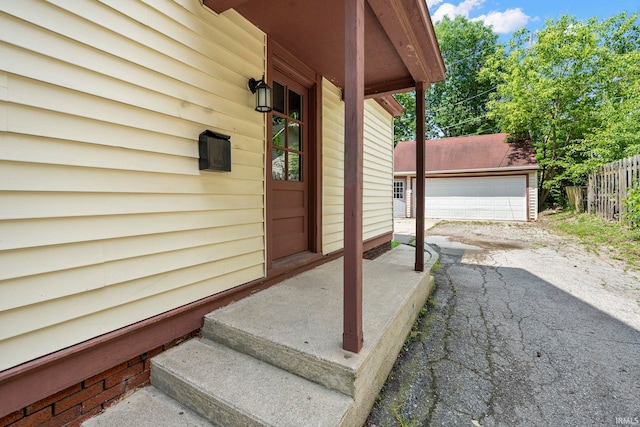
point(278, 164)
point(277, 131)
point(295, 105)
point(293, 130)
point(398, 189)
point(278, 97)
point(287, 134)
point(295, 167)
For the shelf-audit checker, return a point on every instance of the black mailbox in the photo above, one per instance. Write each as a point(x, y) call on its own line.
point(215, 151)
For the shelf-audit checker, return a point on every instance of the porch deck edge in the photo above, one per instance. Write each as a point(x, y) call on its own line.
point(295, 325)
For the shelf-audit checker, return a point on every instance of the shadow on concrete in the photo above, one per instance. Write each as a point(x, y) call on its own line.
point(501, 346)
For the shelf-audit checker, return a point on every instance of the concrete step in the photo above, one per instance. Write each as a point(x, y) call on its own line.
point(233, 389)
point(296, 325)
point(147, 407)
point(276, 358)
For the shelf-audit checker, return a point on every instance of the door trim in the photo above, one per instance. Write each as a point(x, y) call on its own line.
point(285, 63)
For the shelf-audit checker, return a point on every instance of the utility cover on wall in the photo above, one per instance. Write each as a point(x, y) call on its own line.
point(215, 151)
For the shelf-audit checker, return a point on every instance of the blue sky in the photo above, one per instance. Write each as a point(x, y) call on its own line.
point(507, 16)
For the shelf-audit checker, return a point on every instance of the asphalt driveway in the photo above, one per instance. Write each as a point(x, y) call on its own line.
point(524, 328)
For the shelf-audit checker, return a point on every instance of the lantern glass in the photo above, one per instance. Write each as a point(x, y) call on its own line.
point(263, 98)
point(263, 94)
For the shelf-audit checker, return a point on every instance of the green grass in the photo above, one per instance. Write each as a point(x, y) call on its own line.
point(401, 421)
point(614, 238)
point(395, 244)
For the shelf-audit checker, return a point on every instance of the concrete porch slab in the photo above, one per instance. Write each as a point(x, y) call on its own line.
point(296, 325)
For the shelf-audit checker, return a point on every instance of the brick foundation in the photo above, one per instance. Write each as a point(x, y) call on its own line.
point(72, 406)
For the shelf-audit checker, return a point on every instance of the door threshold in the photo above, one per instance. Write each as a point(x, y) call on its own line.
point(292, 262)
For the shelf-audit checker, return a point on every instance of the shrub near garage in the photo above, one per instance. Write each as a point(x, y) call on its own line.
point(632, 206)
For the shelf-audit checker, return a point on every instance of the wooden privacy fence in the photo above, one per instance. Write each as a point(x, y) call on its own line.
point(609, 185)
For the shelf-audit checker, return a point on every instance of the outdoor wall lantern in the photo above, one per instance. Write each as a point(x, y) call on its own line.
point(263, 94)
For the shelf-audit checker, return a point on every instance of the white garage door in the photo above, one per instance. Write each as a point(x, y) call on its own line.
point(486, 198)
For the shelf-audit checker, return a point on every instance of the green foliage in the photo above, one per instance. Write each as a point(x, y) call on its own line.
point(404, 127)
point(617, 133)
point(456, 106)
point(573, 89)
point(402, 422)
point(632, 206)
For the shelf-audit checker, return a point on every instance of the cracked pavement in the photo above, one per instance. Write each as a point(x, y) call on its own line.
point(524, 328)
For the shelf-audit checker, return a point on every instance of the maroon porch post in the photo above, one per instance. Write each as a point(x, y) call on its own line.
point(352, 338)
point(420, 174)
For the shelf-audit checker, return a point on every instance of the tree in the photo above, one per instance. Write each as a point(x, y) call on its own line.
point(557, 90)
point(618, 115)
point(404, 127)
point(456, 106)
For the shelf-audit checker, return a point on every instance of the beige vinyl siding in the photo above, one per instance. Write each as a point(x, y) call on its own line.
point(377, 173)
point(105, 219)
point(332, 168)
point(533, 196)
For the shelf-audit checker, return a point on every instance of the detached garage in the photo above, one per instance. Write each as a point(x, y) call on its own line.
point(482, 177)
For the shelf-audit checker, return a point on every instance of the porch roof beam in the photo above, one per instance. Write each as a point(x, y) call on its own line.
point(374, 90)
point(413, 37)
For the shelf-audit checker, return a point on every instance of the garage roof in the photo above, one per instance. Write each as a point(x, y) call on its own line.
point(467, 154)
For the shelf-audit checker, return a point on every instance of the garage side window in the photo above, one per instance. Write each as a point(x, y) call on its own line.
point(398, 189)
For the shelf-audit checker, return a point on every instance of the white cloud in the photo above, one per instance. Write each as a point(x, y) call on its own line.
point(432, 3)
point(451, 10)
point(504, 22)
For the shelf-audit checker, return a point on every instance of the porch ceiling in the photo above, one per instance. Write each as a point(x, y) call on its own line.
point(400, 44)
